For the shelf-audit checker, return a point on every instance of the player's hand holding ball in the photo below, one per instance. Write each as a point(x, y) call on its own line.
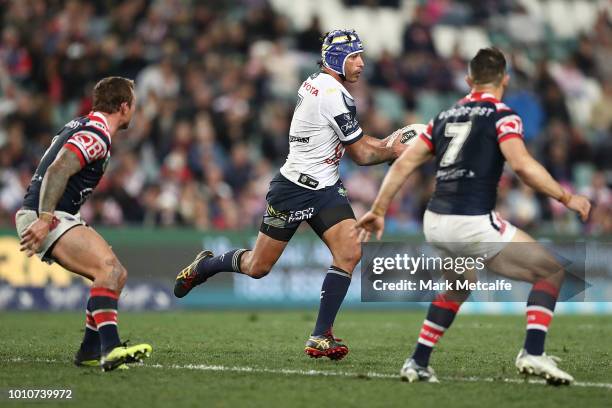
point(401, 138)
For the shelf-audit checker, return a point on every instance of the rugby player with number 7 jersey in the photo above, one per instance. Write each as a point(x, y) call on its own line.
point(308, 188)
point(49, 224)
point(470, 142)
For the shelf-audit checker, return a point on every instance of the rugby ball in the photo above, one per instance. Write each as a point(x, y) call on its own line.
point(408, 133)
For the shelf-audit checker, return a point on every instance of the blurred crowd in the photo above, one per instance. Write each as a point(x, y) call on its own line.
point(216, 83)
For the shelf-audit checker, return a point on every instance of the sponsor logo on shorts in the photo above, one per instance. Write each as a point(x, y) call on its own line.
point(301, 215)
point(275, 218)
point(342, 191)
point(280, 219)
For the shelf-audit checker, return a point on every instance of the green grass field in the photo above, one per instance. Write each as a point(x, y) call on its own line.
point(235, 359)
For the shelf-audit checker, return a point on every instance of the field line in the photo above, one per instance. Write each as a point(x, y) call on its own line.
point(290, 371)
point(315, 373)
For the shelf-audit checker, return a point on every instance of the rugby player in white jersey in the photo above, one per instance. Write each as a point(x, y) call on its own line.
point(308, 188)
point(470, 142)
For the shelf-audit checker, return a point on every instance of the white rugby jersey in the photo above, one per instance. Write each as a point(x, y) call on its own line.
point(324, 120)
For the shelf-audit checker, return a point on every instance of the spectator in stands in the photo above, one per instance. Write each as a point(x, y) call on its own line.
point(216, 84)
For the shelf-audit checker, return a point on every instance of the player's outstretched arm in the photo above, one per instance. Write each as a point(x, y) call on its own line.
point(416, 154)
point(53, 186)
point(537, 177)
point(369, 150)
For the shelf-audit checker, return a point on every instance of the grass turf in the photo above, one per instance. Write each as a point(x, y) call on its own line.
point(36, 351)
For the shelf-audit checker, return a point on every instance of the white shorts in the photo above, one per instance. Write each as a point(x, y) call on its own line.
point(24, 218)
point(468, 235)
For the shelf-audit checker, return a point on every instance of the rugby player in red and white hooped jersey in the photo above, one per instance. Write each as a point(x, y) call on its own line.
point(470, 142)
point(49, 224)
point(308, 188)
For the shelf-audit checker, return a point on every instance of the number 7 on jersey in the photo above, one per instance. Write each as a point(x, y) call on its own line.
point(459, 133)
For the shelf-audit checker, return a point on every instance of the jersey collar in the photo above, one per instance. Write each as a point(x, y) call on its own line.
point(479, 97)
point(99, 117)
point(339, 83)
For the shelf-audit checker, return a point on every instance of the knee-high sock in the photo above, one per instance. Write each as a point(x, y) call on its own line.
point(540, 308)
point(440, 316)
point(91, 339)
point(334, 288)
point(104, 311)
point(227, 262)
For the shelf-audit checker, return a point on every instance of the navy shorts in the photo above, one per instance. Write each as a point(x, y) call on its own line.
point(289, 204)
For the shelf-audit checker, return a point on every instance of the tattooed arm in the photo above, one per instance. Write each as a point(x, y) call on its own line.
point(65, 165)
point(53, 186)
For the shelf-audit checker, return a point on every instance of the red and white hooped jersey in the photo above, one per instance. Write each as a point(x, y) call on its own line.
point(90, 140)
point(465, 140)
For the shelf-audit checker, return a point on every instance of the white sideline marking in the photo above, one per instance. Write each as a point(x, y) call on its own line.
point(289, 371)
point(284, 371)
point(322, 373)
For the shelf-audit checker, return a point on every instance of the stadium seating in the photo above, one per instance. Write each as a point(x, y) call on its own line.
point(229, 74)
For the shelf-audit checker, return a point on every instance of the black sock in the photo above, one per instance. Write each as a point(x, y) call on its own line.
point(334, 288)
point(91, 339)
point(104, 311)
point(540, 308)
point(227, 262)
point(440, 316)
